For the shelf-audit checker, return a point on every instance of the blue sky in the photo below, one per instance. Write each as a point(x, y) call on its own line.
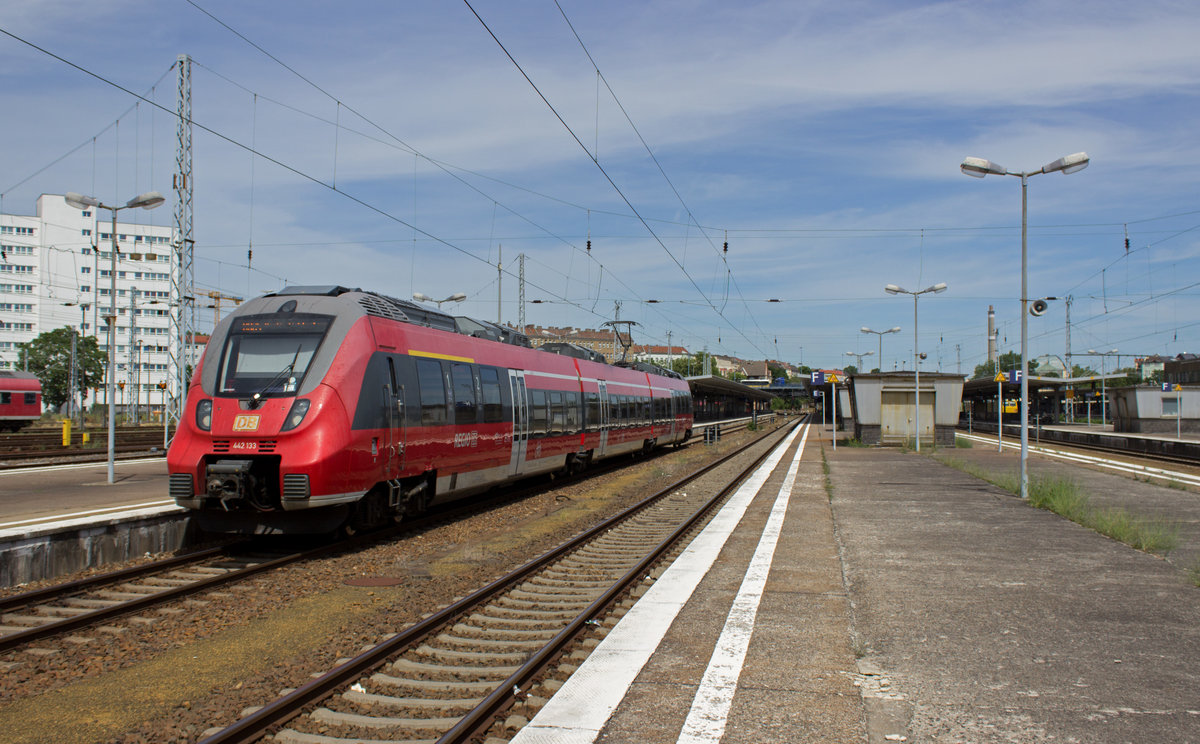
point(820, 139)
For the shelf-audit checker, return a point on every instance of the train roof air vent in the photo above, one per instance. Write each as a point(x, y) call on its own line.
point(327, 290)
point(382, 306)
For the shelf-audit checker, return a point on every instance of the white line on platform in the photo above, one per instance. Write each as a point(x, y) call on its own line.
point(77, 466)
point(579, 710)
point(88, 513)
point(706, 720)
point(1123, 467)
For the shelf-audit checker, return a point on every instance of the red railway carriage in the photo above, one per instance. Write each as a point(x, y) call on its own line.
point(318, 407)
point(20, 399)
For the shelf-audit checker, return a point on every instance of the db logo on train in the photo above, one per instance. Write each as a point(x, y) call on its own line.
point(245, 423)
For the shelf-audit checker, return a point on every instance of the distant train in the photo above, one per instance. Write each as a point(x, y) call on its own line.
point(316, 408)
point(20, 399)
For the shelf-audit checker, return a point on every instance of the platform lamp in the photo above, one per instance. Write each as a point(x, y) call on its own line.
point(456, 297)
point(1103, 389)
point(859, 357)
point(148, 200)
point(978, 168)
point(935, 289)
point(880, 334)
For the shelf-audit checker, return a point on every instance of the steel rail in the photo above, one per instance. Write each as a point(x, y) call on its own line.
point(91, 582)
point(483, 716)
point(124, 608)
point(252, 727)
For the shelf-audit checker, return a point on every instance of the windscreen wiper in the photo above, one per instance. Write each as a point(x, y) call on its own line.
point(256, 399)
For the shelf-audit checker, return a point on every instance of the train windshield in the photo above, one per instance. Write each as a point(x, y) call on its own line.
point(269, 355)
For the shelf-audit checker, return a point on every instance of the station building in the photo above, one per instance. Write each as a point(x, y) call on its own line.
point(55, 271)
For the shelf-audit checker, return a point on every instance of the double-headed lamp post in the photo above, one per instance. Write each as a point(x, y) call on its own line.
point(978, 168)
point(935, 289)
point(456, 297)
point(1103, 388)
point(148, 200)
point(858, 357)
point(880, 334)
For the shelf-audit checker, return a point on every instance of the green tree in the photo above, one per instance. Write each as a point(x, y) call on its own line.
point(49, 357)
point(850, 369)
point(1008, 360)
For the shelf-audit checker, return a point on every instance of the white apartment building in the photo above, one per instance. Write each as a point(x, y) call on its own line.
point(56, 270)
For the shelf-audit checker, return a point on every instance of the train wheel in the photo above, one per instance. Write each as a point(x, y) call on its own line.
point(370, 513)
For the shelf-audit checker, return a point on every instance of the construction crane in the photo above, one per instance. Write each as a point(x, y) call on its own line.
point(217, 298)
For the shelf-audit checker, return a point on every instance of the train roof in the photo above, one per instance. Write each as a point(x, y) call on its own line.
point(405, 311)
point(17, 380)
point(16, 374)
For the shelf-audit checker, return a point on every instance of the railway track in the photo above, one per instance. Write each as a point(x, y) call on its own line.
point(985, 430)
point(1013, 439)
point(451, 676)
point(17, 450)
point(34, 616)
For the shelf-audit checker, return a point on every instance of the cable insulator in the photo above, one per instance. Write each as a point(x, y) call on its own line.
point(589, 245)
point(727, 246)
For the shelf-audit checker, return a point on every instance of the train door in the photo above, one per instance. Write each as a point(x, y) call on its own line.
point(394, 423)
point(604, 419)
point(520, 408)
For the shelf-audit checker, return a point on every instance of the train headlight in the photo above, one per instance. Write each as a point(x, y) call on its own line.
point(204, 414)
point(295, 415)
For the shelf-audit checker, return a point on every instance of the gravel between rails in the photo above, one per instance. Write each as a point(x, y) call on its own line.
point(171, 675)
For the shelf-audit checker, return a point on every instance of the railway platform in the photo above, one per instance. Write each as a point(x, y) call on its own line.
point(62, 518)
point(904, 600)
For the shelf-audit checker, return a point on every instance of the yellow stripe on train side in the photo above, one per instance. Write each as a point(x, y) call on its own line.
point(434, 355)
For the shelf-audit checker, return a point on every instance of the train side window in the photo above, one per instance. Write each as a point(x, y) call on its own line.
point(493, 406)
point(592, 403)
point(5, 399)
point(557, 418)
point(406, 385)
point(537, 412)
point(464, 394)
point(30, 399)
point(571, 404)
point(433, 392)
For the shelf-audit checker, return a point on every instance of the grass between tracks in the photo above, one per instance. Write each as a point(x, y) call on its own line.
point(1064, 497)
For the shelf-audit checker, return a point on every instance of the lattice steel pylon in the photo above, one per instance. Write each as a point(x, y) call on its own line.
point(521, 293)
point(183, 312)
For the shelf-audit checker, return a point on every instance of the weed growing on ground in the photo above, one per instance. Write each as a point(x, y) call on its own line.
point(855, 442)
point(1065, 498)
point(963, 443)
point(1194, 572)
point(828, 480)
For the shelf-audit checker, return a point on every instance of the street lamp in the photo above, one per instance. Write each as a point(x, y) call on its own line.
point(894, 329)
point(859, 357)
point(1103, 391)
point(935, 289)
point(978, 168)
point(148, 200)
point(456, 297)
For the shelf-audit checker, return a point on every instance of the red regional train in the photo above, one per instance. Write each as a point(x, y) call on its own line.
point(319, 408)
point(20, 399)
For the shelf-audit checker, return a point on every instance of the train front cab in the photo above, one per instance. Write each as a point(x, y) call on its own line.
point(228, 459)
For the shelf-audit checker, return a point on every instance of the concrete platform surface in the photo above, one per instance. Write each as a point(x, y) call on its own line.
point(996, 622)
point(31, 497)
point(917, 604)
